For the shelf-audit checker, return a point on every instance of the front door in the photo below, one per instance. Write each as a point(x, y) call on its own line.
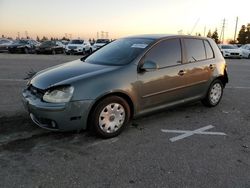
point(167, 84)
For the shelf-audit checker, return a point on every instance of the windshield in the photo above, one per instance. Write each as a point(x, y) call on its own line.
point(102, 41)
point(21, 42)
point(229, 47)
point(76, 42)
point(48, 43)
point(119, 52)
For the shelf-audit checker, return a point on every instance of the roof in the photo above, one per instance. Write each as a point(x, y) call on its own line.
point(160, 36)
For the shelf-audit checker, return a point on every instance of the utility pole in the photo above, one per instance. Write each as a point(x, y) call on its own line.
point(223, 31)
point(205, 28)
point(97, 35)
point(236, 28)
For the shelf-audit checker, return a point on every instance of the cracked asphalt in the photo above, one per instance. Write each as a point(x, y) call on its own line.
point(142, 156)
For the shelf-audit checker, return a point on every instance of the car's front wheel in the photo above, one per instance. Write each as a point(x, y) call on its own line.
point(214, 94)
point(26, 50)
point(110, 116)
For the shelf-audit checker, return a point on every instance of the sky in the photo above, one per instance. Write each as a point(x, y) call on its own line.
point(84, 18)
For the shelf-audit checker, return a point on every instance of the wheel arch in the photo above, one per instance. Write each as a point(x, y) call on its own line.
point(123, 95)
point(223, 78)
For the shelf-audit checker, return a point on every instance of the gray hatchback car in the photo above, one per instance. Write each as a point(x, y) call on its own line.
point(125, 79)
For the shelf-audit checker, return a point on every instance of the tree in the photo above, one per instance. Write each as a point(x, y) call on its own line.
point(37, 39)
point(242, 35)
point(248, 34)
point(215, 36)
point(64, 38)
point(44, 39)
point(209, 34)
point(231, 41)
point(93, 41)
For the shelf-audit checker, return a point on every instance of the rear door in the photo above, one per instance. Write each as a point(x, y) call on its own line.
point(200, 64)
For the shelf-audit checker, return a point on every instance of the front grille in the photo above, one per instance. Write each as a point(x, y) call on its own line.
point(235, 54)
point(72, 47)
point(35, 91)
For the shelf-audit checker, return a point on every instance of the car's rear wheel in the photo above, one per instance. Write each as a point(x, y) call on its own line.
point(110, 116)
point(214, 94)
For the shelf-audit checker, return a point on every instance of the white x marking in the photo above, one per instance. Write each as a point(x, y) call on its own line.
point(186, 133)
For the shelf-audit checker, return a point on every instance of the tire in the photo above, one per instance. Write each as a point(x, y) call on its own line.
point(214, 94)
point(248, 56)
point(109, 117)
point(26, 50)
point(83, 51)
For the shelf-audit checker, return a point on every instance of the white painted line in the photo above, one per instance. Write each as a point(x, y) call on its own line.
point(187, 133)
point(240, 87)
point(13, 80)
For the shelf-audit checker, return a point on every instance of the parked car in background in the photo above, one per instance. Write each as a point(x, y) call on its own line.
point(127, 78)
point(230, 51)
point(64, 43)
point(4, 44)
point(23, 46)
point(52, 47)
point(100, 43)
point(245, 50)
point(78, 46)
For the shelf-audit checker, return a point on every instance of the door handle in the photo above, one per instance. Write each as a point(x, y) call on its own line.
point(181, 72)
point(211, 66)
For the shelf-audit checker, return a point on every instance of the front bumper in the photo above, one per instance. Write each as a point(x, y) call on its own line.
point(74, 51)
point(57, 117)
point(232, 55)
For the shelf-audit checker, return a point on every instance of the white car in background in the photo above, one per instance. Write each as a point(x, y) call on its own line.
point(245, 50)
point(78, 46)
point(230, 51)
point(100, 43)
point(4, 43)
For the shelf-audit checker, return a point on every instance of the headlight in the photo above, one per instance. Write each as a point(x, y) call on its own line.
point(59, 95)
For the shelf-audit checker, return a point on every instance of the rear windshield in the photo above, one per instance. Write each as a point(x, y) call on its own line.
point(119, 52)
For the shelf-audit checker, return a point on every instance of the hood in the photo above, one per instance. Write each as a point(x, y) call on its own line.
point(232, 50)
point(74, 44)
point(65, 73)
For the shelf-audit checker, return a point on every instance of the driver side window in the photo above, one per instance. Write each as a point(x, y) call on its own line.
point(166, 53)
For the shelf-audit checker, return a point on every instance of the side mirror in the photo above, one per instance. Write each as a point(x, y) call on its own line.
point(149, 66)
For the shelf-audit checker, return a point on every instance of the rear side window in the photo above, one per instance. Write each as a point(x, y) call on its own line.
point(166, 53)
point(209, 51)
point(195, 50)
